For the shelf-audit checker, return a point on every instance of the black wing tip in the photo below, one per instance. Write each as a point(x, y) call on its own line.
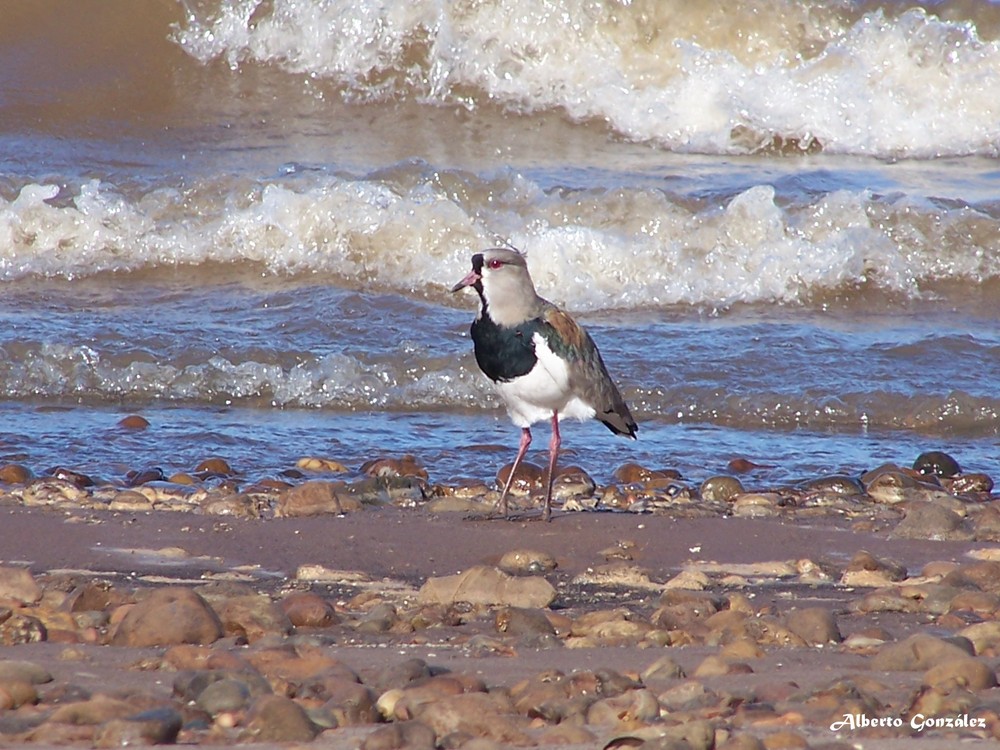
point(621, 425)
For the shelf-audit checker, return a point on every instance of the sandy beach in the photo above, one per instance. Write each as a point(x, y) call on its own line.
point(757, 621)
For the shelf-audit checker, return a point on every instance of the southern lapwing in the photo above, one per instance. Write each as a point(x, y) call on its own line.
point(544, 365)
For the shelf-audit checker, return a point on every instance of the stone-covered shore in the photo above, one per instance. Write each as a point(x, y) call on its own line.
point(374, 608)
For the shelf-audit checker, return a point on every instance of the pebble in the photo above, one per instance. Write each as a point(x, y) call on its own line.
point(214, 466)
point(321, 465)
point(721, 489)
point(314, 498)
point(483, 584)
point(920, 652)
point(936, 463)
point(305, 609)
point(527, 562)
point(403, 466)
point(816, 626)
point(166, 617)
point(14, 474)
point(529, 478)
point(928, 520)
point(276, 718)
point(18, 585)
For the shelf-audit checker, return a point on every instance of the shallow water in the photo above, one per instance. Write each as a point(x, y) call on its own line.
point(241, 220)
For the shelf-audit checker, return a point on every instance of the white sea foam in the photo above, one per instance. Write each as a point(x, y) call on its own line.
point(689, 76)
point(634, 248)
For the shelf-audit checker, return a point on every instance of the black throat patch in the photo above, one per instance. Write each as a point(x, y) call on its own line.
point(503, 353)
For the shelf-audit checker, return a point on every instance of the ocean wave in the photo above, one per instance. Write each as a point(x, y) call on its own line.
point(411, 231)
point(848, 78)
point(67, 373)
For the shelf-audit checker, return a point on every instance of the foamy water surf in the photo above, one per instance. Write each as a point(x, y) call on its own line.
point(853, 78)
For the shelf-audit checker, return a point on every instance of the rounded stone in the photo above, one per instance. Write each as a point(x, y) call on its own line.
point(936, 463)
point(521, 621)
point(313, 499)
point(224, 695)
point(928, 520)
point(19, 585)
point(815, 625)
point(309, 610)
point(215, 466)
point(961, 672)
point(408, 735)
point(920, 652)
point(404, 466)
point(527, 562)
point(529, 478)
point(133, 422)
point(275, 718)
point(167, 617)
point(483, 584)
point(159, 726)
point(14, 474)
point(721, 488)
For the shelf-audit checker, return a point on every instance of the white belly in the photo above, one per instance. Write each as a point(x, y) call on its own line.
point(546, 389)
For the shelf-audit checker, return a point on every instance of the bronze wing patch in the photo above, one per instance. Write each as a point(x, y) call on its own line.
point(571, 335)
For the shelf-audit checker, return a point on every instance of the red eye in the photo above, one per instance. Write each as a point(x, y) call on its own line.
point(494, 264)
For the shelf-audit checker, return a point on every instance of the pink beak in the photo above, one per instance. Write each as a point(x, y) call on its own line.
point(469, 280)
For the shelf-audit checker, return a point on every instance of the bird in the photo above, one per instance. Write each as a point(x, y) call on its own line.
point(544, 365)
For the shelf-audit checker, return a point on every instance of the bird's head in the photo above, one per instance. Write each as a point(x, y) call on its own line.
point(499, 275)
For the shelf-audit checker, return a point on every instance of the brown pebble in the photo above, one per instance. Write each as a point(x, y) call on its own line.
point(482, 584)
point(349, 702)
point(474, 714)
point(529, 477)
point(96, 710)
point(920, 651)
point(252, 616)
point(743, 466)
point(404, 466)
point(929, 520)
point(214, 466)
point(817, 626)
point(936, 463)
point(14, 474)
point(866, 561)
point(19, 585)
point(313, 499)
point(308, 610)
point(960, 672)
point(403, 735)
point(969, 485)
point(664, 668)
point(158, 726)
point(166, 617)
point(526, 562)
point(275, 718)
point(631, 473)
point(133, 422)
point(715, 666)
point(522, 621)
point(721, 489)
point(637, 705)
point(325, 465)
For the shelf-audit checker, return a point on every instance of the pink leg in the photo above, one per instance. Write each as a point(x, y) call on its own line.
point(553, 456)
point(525, 442)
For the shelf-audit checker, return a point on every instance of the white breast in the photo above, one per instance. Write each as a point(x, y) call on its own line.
point(533, 397)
